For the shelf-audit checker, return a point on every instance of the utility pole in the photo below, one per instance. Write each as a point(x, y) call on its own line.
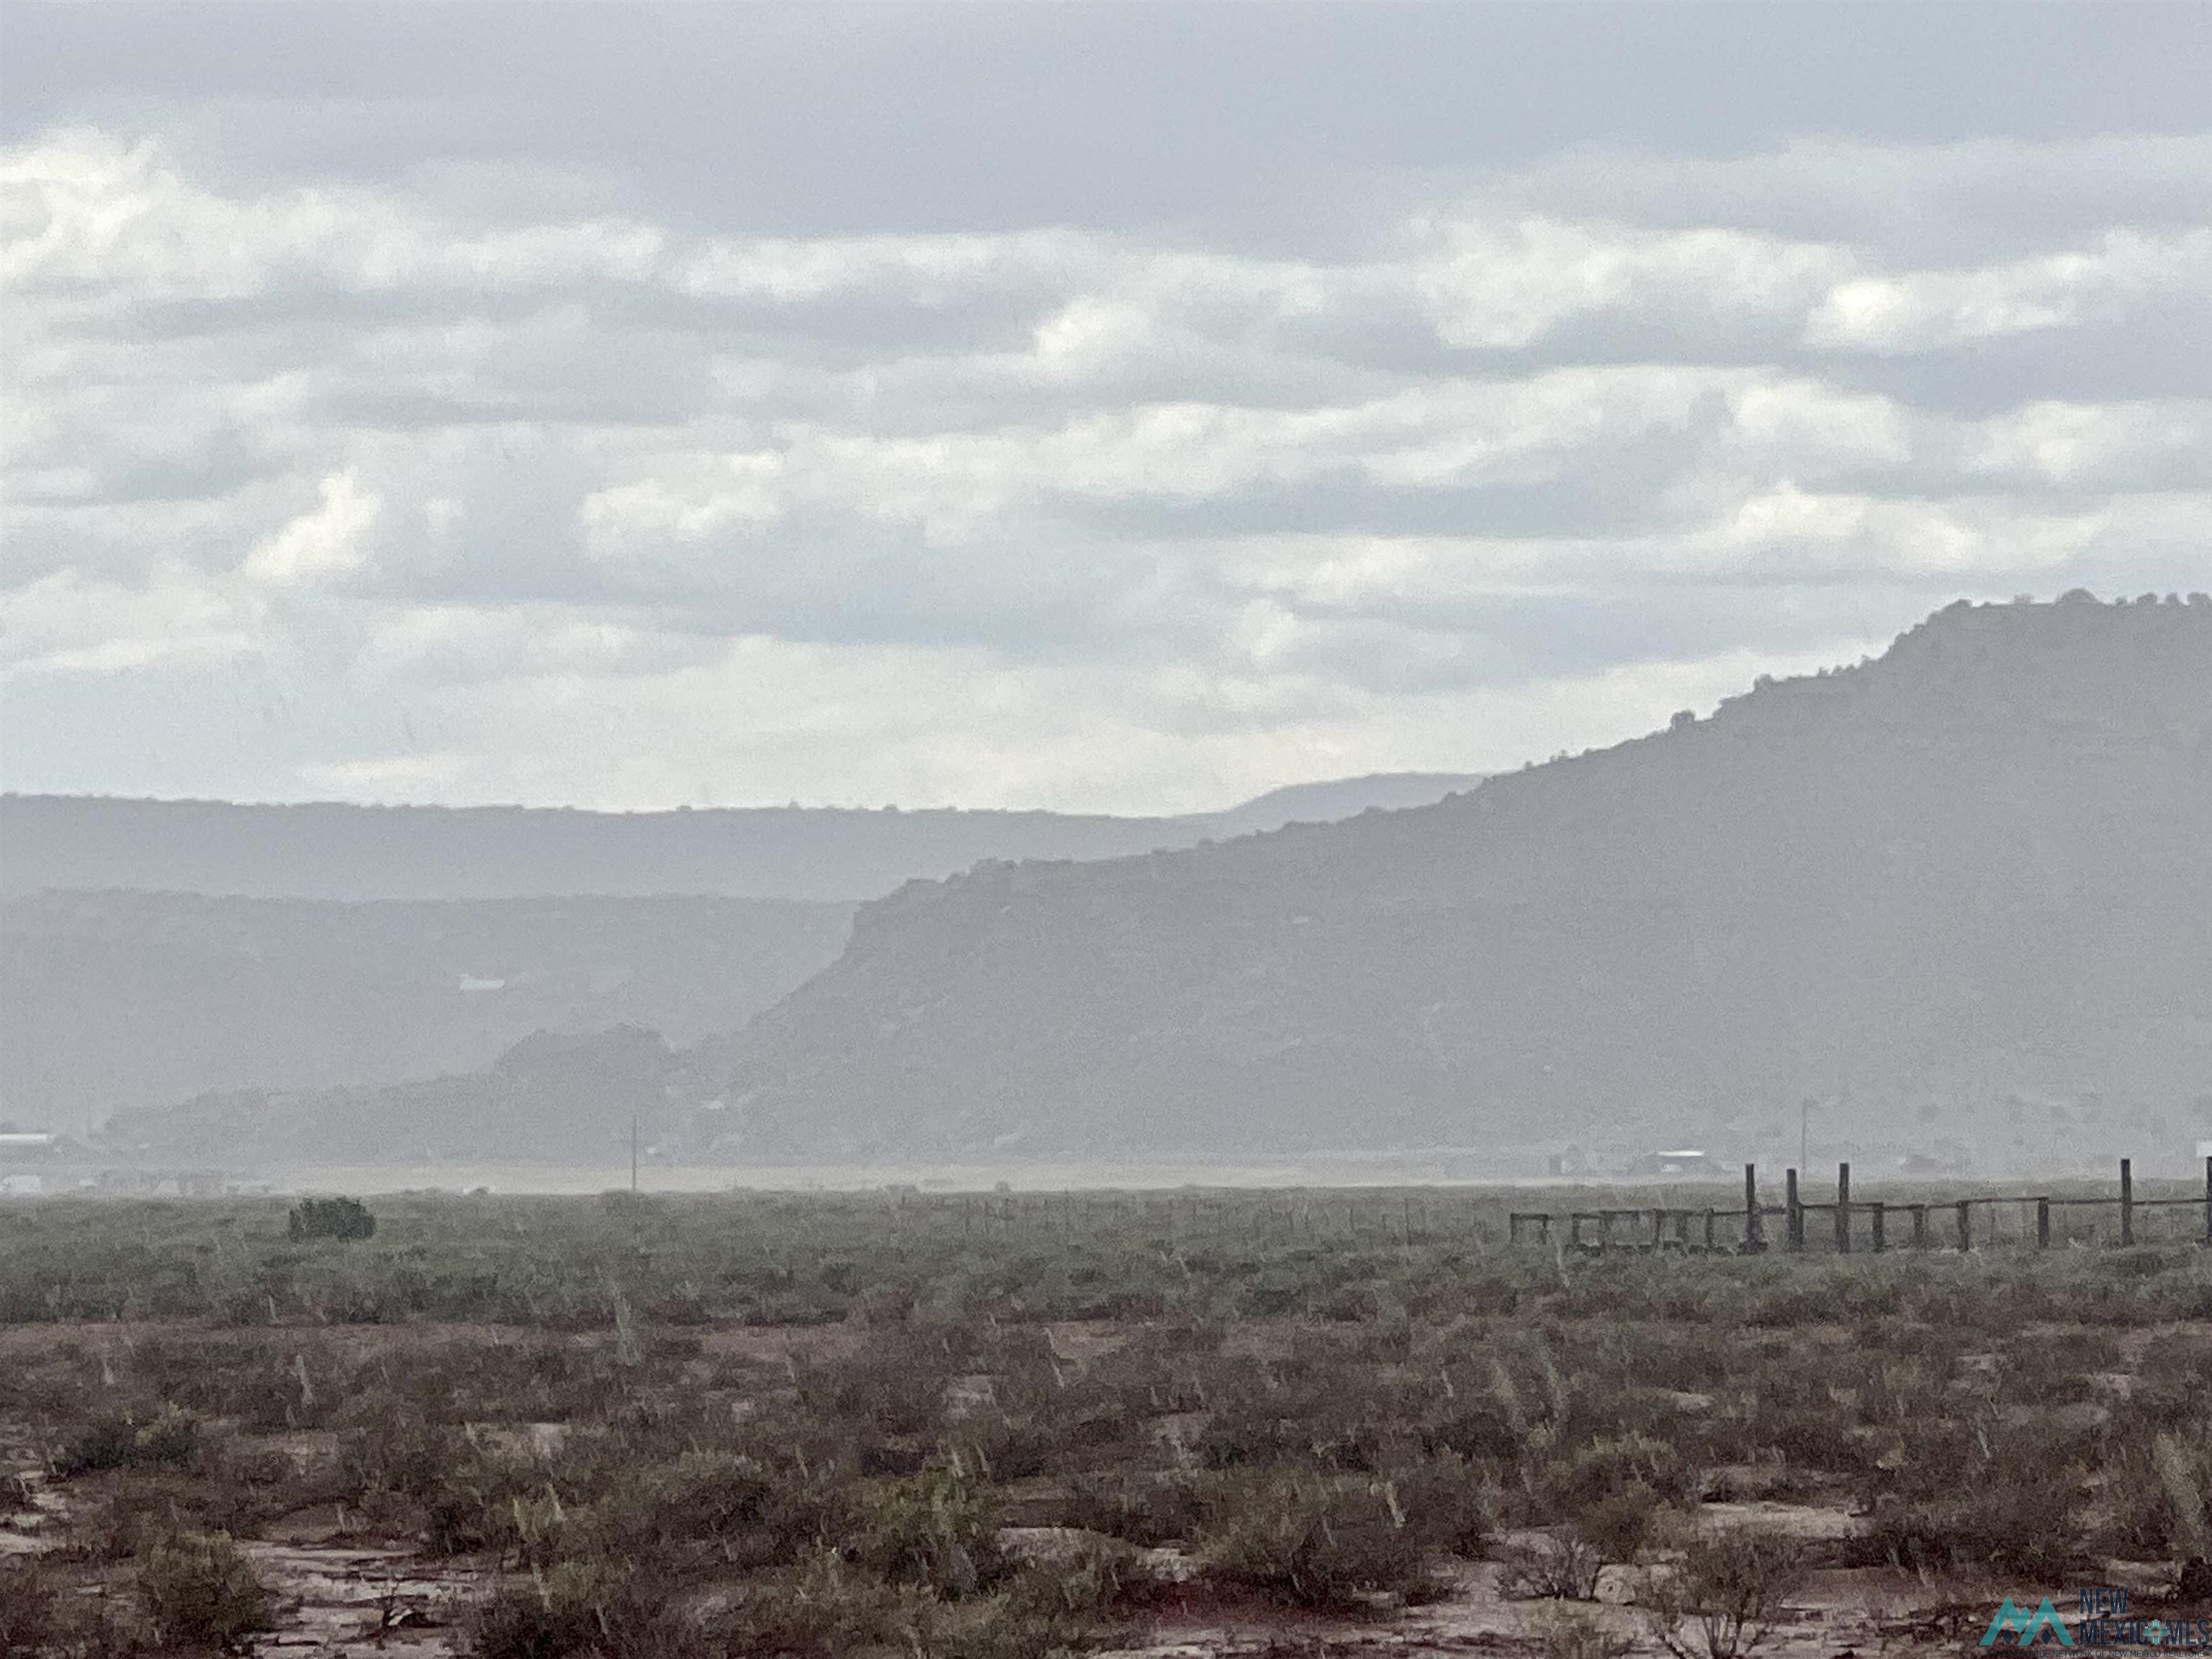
point(633, 1151)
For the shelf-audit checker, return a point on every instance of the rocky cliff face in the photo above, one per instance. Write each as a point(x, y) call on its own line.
point(1970, 876)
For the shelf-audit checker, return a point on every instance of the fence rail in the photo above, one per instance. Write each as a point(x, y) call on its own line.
point(1852, 1223)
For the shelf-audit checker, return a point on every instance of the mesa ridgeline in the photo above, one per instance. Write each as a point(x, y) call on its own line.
point(1957, 895)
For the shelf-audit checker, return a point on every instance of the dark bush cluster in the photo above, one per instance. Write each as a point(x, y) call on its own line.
point(330, 1218)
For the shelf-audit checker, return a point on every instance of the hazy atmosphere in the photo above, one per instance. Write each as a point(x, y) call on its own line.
point(1105, 409)
point(1163, 831)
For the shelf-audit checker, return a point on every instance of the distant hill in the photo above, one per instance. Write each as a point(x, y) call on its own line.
point(1959, 898)
point(1326, 802)
point(1969, 882)
point(117, 1000)
point(550, 1098)
point(310, 947)
point(334, 851)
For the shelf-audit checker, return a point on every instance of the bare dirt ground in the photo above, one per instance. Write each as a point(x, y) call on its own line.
point(333, 1597)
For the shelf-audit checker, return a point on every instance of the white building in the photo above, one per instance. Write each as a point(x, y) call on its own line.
point(17, 1148)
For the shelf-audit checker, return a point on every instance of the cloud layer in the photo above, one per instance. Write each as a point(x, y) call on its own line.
point(377, 490)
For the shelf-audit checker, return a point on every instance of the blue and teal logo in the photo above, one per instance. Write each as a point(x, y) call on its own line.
point(2028, 1628)
point(2102, 1622)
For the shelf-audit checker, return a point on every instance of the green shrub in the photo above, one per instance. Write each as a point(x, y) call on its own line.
point(29, 1607)
point(1141, 1506)
point(1475, 1429)
point(2184, 1475)
point(594, 1608)
point(110, 1524)
point(1313, 1540)
point(822, 1609)
point(1554, 1567)
point(119, 1441)
point(1570, 1632)
point(937, 1529)
point(197, 1587)
point(2010, 1518)
point(1448, 1502)
point(519, 1622)
point(1598, 1471)
point(109, 1441)
point(1618, 1524)
point(395, 1449)
point(1728, 1597)
point(1046, 1611)
point(330, 1218)
point(490, 1508)
point(1100, 1578)
point(708, 1508)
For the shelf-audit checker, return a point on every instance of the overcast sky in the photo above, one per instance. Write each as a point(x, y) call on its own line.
point(1129, 408)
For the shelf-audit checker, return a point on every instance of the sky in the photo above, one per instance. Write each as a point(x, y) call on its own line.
point(1124, 408)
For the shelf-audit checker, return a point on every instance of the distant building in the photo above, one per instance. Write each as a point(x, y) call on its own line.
point(20, 1149)
point(1683, 1161)
point(1572, 1162)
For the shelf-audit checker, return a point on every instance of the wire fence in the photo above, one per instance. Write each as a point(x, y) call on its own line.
point(2120, 1218)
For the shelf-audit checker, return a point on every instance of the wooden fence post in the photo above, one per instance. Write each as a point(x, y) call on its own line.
point(1671, 1228)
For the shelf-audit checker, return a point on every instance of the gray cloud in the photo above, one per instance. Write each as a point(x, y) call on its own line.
point(907, 118)
point(399, 430)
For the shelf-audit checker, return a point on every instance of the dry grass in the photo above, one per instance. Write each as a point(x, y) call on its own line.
point(701, 1427)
